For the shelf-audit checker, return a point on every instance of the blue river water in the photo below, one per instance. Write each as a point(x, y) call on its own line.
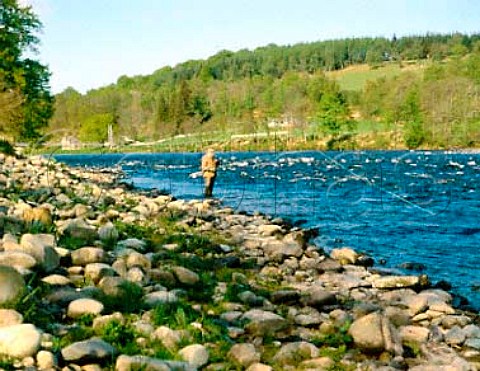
point(400, 206)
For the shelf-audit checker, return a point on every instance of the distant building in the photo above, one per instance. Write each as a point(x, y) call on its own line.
point(70, 143)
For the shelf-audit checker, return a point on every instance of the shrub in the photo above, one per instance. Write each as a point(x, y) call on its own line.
point(6, 148)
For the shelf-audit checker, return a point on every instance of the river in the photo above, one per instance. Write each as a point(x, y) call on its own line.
point(399, 206)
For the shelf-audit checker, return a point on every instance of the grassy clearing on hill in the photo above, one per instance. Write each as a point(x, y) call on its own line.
point(355, 77)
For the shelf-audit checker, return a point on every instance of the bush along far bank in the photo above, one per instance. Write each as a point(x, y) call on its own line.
point(92, 274)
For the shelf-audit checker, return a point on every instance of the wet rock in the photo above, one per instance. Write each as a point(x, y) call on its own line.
point(244, 354)
point(418, 267)
point(12, 286)
point(365, 261)
point(344, 255)
point(93, 350)
point(19, 341)
point(395, 282)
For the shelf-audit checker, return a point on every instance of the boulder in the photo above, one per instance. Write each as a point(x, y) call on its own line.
point(373, 333)
point(10, 317)
point(108, 233)
point(185, 276)
point(259, 367)
point(93, 350)
point(285, 296)
point(278, 250)
point(160, 297)
point(195, 354)
point(80, 229)
point(455, 336)
point(17, 259)
point(46, 360)
point(87, 255)
point(113, 286)
point(42, 248)
point(293, 353)
point(169, 338)
point(396, 282)
point(96, 271)
point(56, 280)
point(132, 243)
point(414, 334)
point(318, 297)
point(128, 363)
point(12, 286)
point(79, 307)
point(135, 259)
point(263, 322)
point(344, 255)
point(244, 354)
point(19, 341)
point(269, 229)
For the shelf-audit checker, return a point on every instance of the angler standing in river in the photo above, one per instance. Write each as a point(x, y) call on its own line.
point(209, 171)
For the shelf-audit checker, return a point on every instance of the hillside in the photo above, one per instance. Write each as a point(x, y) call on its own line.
point(312, 95)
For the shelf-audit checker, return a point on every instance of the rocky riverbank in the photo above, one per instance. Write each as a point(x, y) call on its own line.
point(94, 276)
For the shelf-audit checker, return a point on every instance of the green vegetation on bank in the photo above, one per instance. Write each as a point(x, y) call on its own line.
point(351, 93)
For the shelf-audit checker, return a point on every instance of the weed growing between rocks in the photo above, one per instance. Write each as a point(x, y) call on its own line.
point(7, 363)
point(121, 336)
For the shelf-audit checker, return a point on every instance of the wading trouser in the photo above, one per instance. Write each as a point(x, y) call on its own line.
point(209, 179)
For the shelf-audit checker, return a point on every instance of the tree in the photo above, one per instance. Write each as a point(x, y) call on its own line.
point(18, 28)
point(95, 128)
point(414, 132)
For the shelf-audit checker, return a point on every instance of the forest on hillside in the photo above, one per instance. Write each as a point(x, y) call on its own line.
point(241, 92)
